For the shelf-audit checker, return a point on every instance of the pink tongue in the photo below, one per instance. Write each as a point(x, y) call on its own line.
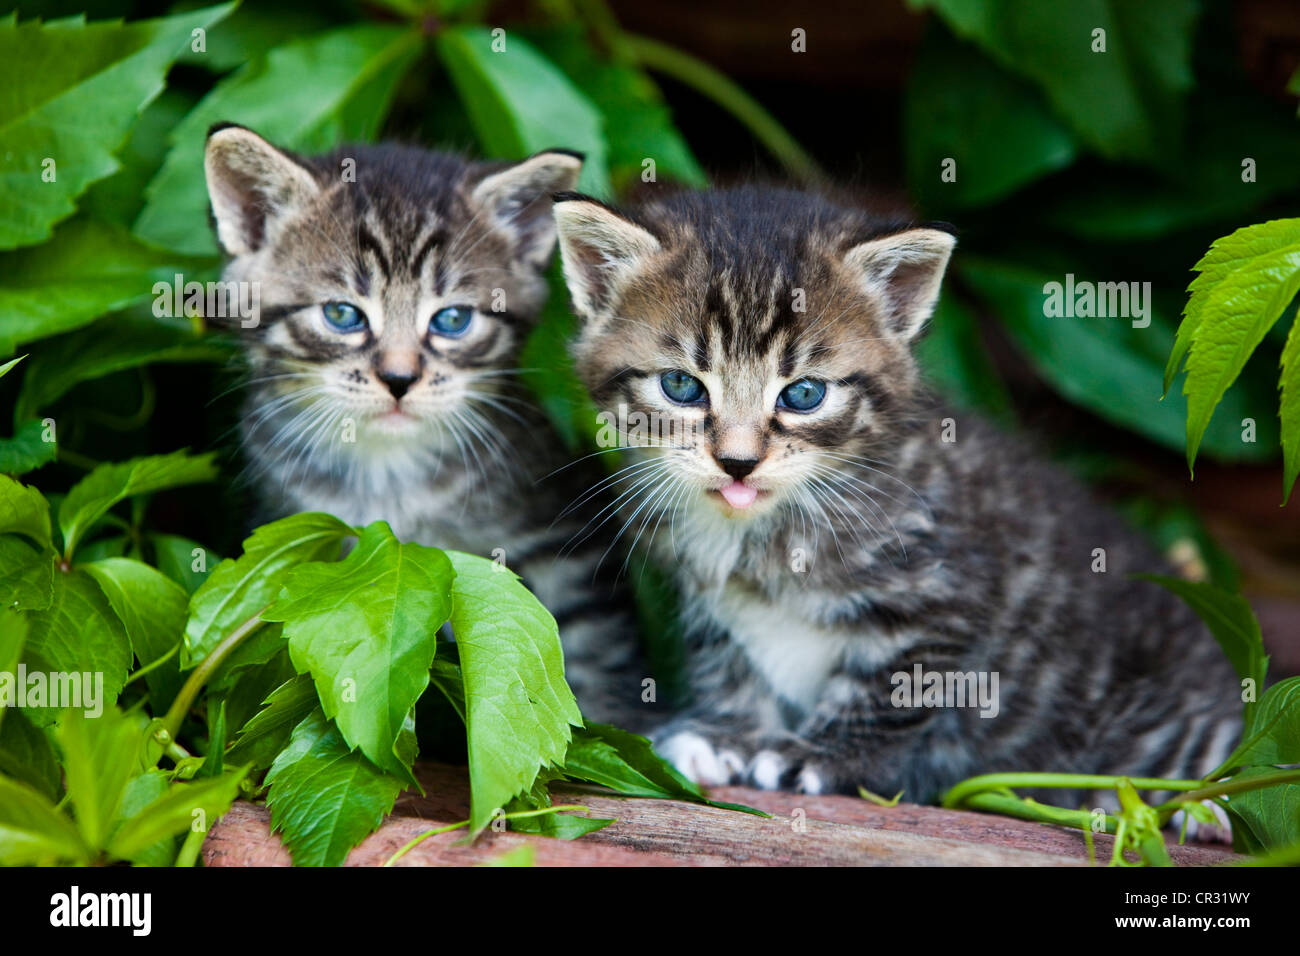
point(739, 495)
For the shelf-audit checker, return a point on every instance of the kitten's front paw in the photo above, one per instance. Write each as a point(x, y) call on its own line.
point(699, 760)
point(774, 770)
point(1198, 832)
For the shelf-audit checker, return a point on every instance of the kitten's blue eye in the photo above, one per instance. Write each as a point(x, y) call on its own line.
point(803, 395)
point(452, 321)
point(682, 387)
point(343, 317)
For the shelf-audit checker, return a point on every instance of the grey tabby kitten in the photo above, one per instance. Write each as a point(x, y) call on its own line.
point(394, 303)
point(830, 542)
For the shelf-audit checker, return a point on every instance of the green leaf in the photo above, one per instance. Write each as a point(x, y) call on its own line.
point(1225, 256)
point(26, 754)
point(13, 635)
point(28, 575)
point(117, 343)
point(308, 95)
point(152, 608)
point(1272, 732)
point(86, 270)
point(324, 797)
point(27, 450)
point(518, 707)
point(77, 635)
point(525, 855)
point(637, 123)
point(252, 31)
point(99, 757)
point(240, 588)
point(1229, 618)
point(560, 826)
point(24, 510)
point(92, 497)
point(268, 731)
point(32, 831)
point(996, 127)
point(176, 557)
point(1125, 103)
point(1237, 311)
point(140, 792)
point(183, 807)
point(73, 93)
point(8, 366)
point(1289, 410)
point(627, 763)
point(519, 102)
point(1112, 369)
point(1272, 814)
point(366, 629)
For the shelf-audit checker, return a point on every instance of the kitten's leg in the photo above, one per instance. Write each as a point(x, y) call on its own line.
point(856, 738)
point(714, 740)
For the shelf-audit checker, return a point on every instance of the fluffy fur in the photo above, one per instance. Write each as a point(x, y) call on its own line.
point(872, 543)
point(390, 418)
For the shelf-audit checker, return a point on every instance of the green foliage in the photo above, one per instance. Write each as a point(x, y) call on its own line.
point(337, 742)
point(325, 797)
point(308, 95)
point(1013, 115)
point(78, 88)
point(518, 709)
point(521, 103)
point(121, 806)
point(1126, 100)
point(1258, 785)
point(1246, 281)
point(365, 629)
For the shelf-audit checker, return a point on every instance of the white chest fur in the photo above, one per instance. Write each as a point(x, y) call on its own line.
point(793, 654)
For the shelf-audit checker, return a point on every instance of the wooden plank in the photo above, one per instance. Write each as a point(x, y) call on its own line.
point(803, 830)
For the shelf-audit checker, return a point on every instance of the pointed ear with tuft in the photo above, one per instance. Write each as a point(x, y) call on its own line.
point(601, 250)
point(253, 187)
point(904, 272)
point(519, 200)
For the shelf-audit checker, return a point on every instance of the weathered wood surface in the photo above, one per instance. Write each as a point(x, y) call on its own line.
point(803, 831)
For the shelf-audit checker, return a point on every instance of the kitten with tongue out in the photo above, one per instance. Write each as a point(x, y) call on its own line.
point(827, 540)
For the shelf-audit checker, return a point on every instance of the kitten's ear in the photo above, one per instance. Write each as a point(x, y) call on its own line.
point(252, 185)
point(601, 251)
point(519, 199)
point(904, 271)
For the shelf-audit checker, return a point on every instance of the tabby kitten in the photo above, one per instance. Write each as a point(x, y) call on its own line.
point(837, 534)
point(397, 286)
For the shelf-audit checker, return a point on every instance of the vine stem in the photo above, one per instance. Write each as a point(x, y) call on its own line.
point(728, 94)
point(200, 675)
point(518, 815)
point(962, 792)
point(1229, 787)
point(717, 86)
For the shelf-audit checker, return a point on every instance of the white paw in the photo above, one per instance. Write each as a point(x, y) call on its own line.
point(697, 760)
point(767, 769)
point(810, 780)
point(1198, 832)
